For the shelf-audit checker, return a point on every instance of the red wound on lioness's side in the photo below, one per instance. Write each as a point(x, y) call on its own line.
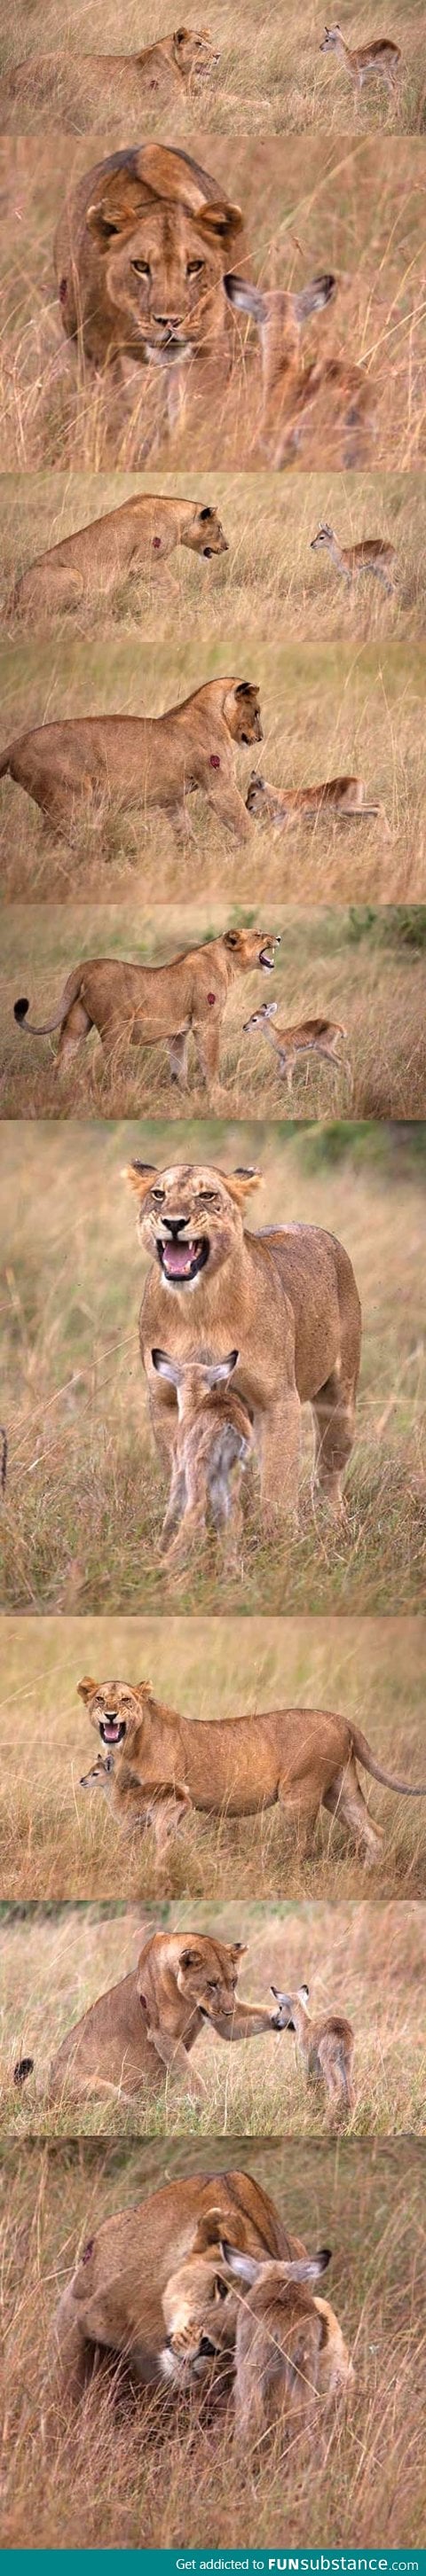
point(211, 997)
point(214, 760)
point(88, 2250)
point(156, 543)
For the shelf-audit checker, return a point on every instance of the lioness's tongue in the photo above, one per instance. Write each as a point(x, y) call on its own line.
point(178, 1258)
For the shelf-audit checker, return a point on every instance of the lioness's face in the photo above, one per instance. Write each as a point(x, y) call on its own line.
point(194, 54)
point(205, 534)
point(190, 1221)
point(165, 279)
point(113, 1708)
point(242, 712)
point(249, 948)
point(200, 2313)
point(206, 1973)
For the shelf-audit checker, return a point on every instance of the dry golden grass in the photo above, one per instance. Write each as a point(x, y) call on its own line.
point(271, 76)
point(270, 580)
point(326, 709)
point(351, 207)
point(58, 1840)
point(97, 2484)
point(378, 990)
point(363, 1960)
point(85, 1494)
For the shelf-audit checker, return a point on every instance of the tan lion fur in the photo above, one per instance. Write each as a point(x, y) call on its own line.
point(132, 543)
point(133, 1005)
point(115, 2296)
point(285, 1299)
point(148, 2022)
point(70, 85)
point(143, 761)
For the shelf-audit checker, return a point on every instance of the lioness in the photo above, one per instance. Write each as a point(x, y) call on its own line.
point(285, 1299)
point(142, 1005)
point(141, 253)
point(300, 1758)
point(115, 2296)
point(70, 86)
point(150, 2019)
point(134, 542)
point(145, 761)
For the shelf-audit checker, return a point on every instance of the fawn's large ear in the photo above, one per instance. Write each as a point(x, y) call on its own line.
point(166, 1367)
point(245, 297)
point(86, 1688)
point(244, 2267)
point(240, 1184)
point(310, 2267)
point(303, 1994)
point(221, 1370)
point(140, 1176)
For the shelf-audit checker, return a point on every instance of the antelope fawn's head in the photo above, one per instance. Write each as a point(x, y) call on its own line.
point(324, 537)
point(193, 1379)
point(277, 306)
point(331, 39)
point(284, 2018)
point(257, 1018)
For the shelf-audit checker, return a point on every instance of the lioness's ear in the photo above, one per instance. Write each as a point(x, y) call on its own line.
point(221, 222)
point(237, 1949)
point(240, 1183)
point(140, 1177)
point(86, 1688)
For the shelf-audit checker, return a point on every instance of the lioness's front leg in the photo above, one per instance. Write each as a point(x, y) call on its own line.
point(224, 797)
point(277, 1433)
point(244, 2023)
point(175, 2056)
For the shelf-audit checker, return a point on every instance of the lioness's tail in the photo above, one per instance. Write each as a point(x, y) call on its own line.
point(364, 1755)
point(24, 2067)
point(70, 995)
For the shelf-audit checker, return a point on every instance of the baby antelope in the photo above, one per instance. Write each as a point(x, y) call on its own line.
point(162, 1806)
point(301, 1037)
point(332, 391)
point(283, 805)
point(214, 1436)
point(381, 57)
point(290, 2353)
point(325, 2047)
point(373, 554)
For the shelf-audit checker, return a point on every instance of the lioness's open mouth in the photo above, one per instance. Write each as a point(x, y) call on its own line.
point(265, 961)
point(182, 1261)
point(112, 1729)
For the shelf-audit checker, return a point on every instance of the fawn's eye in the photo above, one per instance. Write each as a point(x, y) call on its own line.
point(141, 267)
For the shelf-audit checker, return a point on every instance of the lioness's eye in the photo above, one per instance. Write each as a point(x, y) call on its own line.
point(207, 1198)
point(158, 1194)
point(141, 267)
point(220, 2288)
point(194, 267)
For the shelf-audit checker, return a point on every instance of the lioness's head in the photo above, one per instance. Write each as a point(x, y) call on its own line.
point(206, 1971)
point(204, 533)
point(194, 54)
point(241, 711)
point(114, 1709)
point(248, 948)
point(202, 2300)
point(161, 266)
point(190, 1218)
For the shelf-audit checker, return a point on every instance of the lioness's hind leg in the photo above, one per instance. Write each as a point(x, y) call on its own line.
point(302, 1808)
point(345, 1799)
point(178, 1060)
point(334, 1420)
point(75, 1028)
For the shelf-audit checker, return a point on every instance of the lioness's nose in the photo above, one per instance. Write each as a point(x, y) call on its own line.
point(175, 1224)
point(167, 321)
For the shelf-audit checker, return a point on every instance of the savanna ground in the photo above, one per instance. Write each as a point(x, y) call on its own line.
point(367, 1961)
point(270, 580)
point(326, 709)
point(59, 1840)
point(356, 208)
point(365, 968)
point(85, 1492)
point(95, 2483)
point(271, 76)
